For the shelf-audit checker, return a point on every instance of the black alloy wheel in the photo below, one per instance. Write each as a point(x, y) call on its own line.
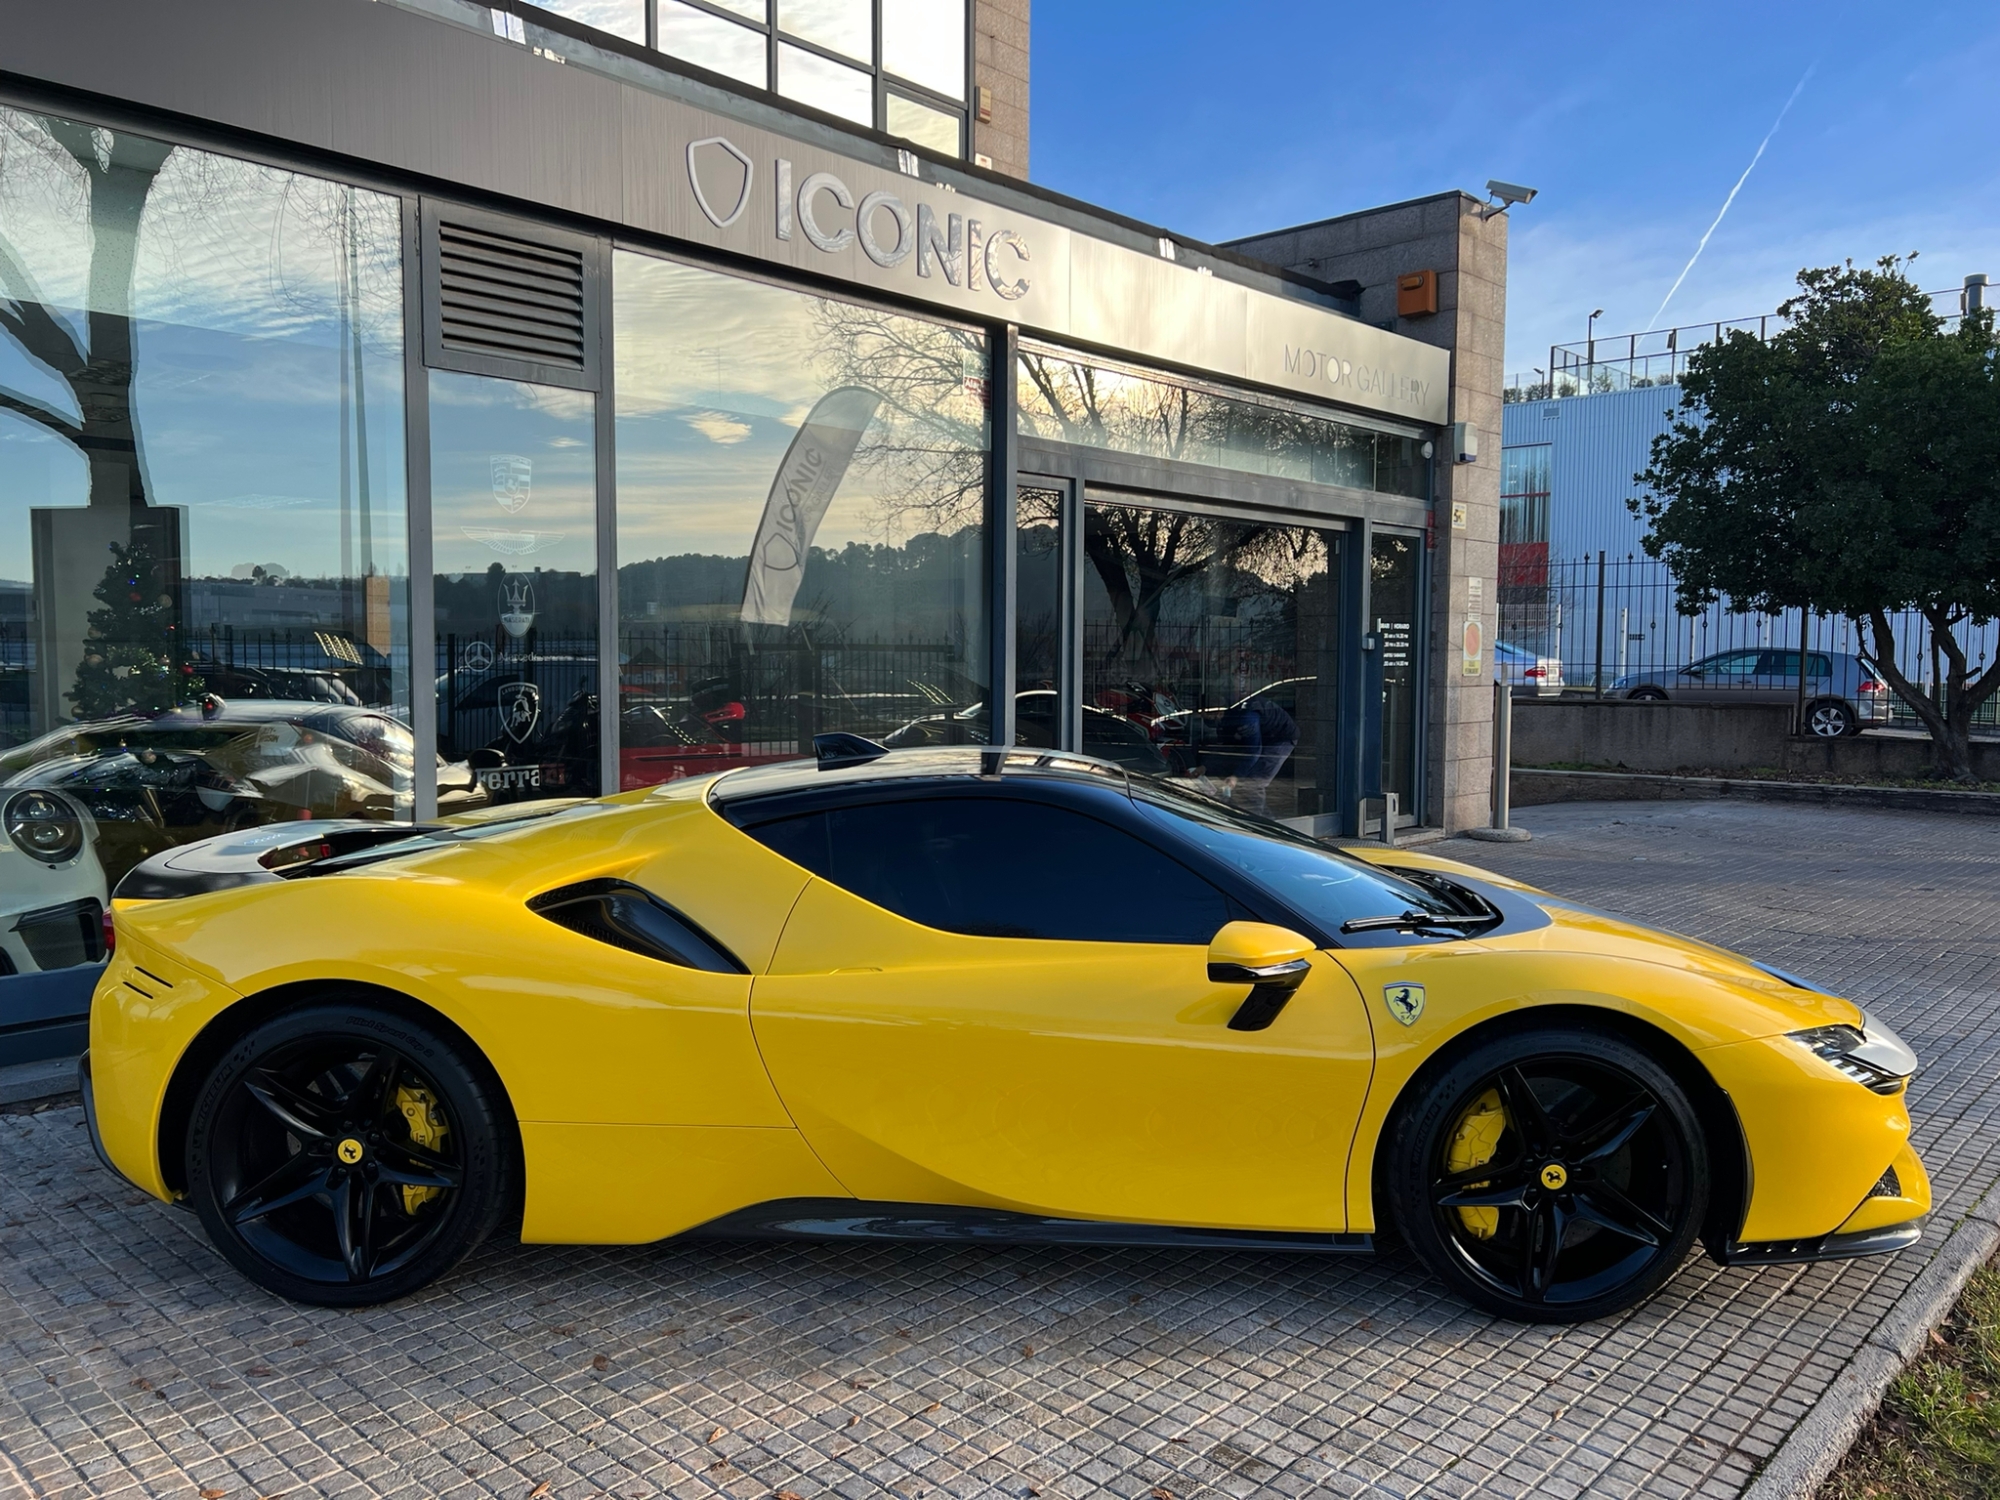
point(1829, 719)
point(343, 1155)
point(1647, 695)
point(1551, 1176)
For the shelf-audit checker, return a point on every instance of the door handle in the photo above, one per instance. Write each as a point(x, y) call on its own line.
point(1271, 988)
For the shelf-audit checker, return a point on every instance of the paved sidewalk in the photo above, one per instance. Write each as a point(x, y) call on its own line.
point(133, 1362)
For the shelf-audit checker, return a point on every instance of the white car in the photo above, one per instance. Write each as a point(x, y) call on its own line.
point(52, 891)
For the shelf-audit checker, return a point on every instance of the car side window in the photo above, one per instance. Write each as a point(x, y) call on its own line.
point(1731, 664)
point(998, 867)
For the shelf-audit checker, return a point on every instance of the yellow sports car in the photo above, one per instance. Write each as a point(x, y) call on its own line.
point(962, 993)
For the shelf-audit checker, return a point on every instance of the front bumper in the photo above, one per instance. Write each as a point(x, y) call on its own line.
point(1884, 1241)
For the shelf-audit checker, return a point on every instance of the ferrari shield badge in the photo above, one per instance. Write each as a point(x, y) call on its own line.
point(1405, 1001)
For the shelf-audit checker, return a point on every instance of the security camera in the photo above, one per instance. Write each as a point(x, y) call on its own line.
point(1510, 193)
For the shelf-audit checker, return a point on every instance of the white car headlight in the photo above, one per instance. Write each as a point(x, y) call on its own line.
point(43, 826)
point(1871, 1054)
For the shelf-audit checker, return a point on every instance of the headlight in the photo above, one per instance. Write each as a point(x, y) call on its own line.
point(43, 826)
point(1871, 1054)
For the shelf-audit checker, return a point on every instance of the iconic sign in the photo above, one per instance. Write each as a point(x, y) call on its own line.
point(753, 192)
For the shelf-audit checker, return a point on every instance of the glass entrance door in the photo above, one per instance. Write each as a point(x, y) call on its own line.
point(1209, 652)
point(514, 522)
point(1392, 607)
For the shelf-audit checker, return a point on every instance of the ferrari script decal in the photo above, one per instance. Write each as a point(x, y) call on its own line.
point(1405, 1001)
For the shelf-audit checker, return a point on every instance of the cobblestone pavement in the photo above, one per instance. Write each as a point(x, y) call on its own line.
point(134, 1362)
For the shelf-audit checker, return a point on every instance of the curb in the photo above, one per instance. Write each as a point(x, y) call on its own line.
point(1538, 788)
point(1816, 1446)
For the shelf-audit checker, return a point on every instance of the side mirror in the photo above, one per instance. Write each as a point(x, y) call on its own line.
point(1273, 961)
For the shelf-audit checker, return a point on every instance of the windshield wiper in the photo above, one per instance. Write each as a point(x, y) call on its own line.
point(1423, 921)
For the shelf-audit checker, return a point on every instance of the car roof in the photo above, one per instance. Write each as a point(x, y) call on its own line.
point(942, 763)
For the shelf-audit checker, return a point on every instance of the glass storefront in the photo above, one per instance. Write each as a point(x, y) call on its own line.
point(205, 600)
point(1210, 651)
point(514, 546)
point(204, 614)
point(802, 499)
point(1065, 398)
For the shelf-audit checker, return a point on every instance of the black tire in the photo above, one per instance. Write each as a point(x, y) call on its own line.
point(1830, 719)
point(344, 1155)
point(1647, 695)
point(1609, 1157)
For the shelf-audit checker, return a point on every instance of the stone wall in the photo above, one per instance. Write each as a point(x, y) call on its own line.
point(1000, 64)
point(1666, 738)
point(1453, 235)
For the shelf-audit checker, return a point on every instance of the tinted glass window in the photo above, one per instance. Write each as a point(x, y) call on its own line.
point(1322, 885)
point(993, 867)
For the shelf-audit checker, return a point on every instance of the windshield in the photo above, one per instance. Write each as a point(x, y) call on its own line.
point(1321, 884)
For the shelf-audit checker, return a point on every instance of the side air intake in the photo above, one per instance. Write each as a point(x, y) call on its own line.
point(623, 915)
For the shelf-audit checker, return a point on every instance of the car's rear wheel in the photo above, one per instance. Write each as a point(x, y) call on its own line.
point(1829, 719)
point(345, 1155)
point(1647, 695)
point(1550, 1176)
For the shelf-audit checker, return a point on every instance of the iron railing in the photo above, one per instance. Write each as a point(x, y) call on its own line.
point(1609, 620)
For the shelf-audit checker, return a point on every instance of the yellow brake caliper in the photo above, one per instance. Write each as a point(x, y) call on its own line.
point(1472, 1145)
point(427, 1129)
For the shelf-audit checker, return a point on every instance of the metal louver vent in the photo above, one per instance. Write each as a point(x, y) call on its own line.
point(510, 298)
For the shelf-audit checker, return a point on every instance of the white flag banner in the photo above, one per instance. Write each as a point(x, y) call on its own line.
point(814, 465)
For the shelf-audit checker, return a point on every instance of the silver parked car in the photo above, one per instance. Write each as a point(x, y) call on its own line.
point(1843, 693)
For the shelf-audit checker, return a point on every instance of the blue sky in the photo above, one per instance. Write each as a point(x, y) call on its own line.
point(1228, 117)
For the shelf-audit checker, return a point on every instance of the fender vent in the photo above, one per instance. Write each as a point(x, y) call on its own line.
point(1888, 1185)
point(510, 298)
point(620, 914)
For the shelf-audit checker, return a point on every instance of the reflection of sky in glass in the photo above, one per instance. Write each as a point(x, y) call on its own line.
point(238, 295)
point(715, 376)
point(485, 507)
point(924, 41)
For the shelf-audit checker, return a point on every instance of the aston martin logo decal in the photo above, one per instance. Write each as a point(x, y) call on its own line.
point(1405, 1001)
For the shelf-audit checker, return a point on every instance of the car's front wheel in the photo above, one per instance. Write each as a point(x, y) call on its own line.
point(1550, 1176)
point(1647, 695)
point(346, 1155)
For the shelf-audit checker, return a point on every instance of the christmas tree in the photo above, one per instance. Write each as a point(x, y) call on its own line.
point(134, 660)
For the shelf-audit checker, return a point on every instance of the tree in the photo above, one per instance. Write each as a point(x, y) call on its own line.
point(135, 660)
point(1850, 465)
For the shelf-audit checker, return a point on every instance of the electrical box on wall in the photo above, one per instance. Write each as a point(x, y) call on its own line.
point(1464, 443)
point(1417, 294)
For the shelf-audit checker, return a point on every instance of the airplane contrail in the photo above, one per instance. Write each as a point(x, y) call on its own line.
point(1796, 91)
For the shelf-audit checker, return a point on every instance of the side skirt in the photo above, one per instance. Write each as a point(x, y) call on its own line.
point(849, 1219)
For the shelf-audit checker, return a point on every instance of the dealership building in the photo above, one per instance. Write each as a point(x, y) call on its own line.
point(412, 405)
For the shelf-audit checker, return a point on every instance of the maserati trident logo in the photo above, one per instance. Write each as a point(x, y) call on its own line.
point(517, 606)
point(716, 162)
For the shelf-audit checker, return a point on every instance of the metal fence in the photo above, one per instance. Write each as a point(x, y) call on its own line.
point(1608, 620)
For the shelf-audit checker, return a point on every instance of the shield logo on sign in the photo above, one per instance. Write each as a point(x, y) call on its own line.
point(520, 710)
point(1405, 1001)
point(513, 481)
point(720, 175)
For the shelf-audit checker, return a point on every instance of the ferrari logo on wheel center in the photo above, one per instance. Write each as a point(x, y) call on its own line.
point(1554, 1176)
point(348, 1151)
